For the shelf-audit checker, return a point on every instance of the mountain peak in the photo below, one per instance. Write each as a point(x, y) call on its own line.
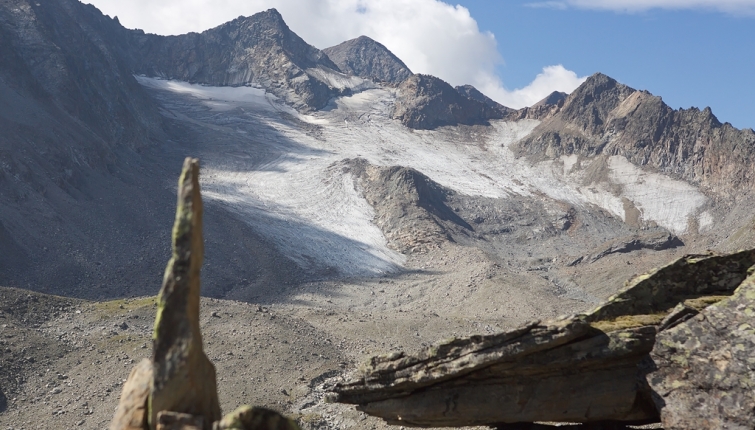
point(367, 58)
point(553, 98)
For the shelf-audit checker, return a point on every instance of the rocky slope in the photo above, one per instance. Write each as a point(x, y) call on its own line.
point(367, 58)
point(604, 117)
point(258, 50)
point(84, 191)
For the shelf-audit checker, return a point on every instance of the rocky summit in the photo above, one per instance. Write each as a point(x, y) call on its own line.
point(353, 211)
point(368, 58)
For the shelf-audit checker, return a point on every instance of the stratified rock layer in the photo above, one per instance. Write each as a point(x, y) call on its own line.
point(705, 377)
point(183, 376)
point(586, 368)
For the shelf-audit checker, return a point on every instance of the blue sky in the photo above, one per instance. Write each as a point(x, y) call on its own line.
point(692, 57)
point(690, 52)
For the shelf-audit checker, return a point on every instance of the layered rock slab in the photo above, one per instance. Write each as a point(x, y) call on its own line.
point(586, 368)
point(705, 377)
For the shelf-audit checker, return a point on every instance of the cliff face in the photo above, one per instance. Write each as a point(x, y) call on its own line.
point(259, 50)
point(367, 58)
point(63, 58)
point(605, 117)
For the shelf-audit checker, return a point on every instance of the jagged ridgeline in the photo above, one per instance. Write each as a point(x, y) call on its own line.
point(177, 387)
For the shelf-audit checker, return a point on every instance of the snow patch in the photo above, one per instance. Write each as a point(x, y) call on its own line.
point(569, 162)
point(340, 81)
point(670, 203)
point(704, 222)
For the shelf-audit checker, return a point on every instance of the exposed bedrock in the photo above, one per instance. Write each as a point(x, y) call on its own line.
point(259, 50)
point(427, 102)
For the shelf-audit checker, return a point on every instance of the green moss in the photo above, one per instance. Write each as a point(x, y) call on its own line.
point(109, 308)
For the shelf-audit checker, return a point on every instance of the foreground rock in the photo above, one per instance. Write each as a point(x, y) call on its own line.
point(184, 378)
point(586, 368)
point(706, 369)
point(177, 388)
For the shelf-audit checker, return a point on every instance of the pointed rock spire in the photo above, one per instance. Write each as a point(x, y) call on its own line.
point(183, 377)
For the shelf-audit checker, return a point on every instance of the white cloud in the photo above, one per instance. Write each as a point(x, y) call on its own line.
point(430, 36)
point(729, 6)
point(553, 78)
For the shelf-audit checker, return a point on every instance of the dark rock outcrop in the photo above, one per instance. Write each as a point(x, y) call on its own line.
point(705, 374)
point(605, 117)
point(656, 241)
point(410, 208)
point(587, 368)
point(256, 50)
point(63, 70)
point(543, 109)
point(427, 102)
point(367, 58)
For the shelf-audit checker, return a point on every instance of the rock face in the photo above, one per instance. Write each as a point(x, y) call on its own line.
point(177, 388)
point(605, 117)
point(367, 58)
point(183, 377)
point(705, 374)
point(132, 412)
point(543, 109)
point(63, 68)
point(587, 368)
point(427, 102)
point(258, 50)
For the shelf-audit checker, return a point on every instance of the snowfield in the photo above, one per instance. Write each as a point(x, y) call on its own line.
point(284, 181)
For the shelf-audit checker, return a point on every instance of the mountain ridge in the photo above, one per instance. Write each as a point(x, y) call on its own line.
point(603, 116)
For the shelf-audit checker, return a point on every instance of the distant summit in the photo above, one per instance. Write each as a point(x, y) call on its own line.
point(475, 94)
point(366, 58)
point(260, 50)
point(605, 117)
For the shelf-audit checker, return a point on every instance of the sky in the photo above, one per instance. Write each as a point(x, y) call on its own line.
point(690, 52)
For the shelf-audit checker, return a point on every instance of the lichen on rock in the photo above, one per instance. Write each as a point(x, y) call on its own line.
point(588, 368)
